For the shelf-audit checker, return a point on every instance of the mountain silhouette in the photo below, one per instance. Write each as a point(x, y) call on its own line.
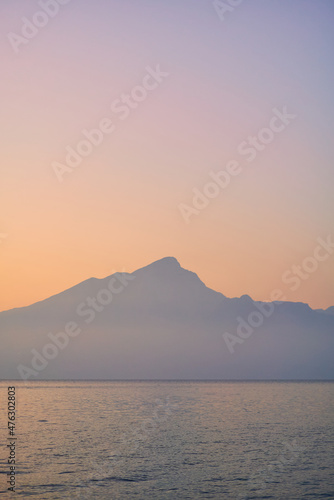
point(163, 322)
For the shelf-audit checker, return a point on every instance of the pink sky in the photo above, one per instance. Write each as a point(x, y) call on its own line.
point(119, 209)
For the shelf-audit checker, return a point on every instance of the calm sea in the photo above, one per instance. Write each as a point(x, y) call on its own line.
point(170, 440)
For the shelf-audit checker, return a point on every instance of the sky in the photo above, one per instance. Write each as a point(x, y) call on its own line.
point(184, 91)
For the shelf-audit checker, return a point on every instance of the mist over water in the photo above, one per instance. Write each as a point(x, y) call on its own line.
point(172, 440)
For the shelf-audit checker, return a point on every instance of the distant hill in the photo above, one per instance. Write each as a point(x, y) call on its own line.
point(162, 322)
point(330, 310)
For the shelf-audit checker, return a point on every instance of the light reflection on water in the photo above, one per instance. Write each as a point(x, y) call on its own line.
point(171, 440)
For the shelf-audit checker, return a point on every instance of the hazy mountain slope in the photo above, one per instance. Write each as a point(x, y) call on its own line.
point(163, 322)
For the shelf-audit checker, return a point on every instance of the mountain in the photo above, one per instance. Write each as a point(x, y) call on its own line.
point(329, 310)
point(162, 322)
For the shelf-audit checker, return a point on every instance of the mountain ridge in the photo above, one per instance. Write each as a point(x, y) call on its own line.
point(163, 322)
point(164, 261)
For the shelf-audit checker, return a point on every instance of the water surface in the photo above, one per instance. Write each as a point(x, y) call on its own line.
point(171, 440)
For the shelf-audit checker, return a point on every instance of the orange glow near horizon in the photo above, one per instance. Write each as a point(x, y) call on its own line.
point(119, 208)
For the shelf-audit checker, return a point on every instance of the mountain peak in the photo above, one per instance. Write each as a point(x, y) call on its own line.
point(165, 267)
point(168, 261)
